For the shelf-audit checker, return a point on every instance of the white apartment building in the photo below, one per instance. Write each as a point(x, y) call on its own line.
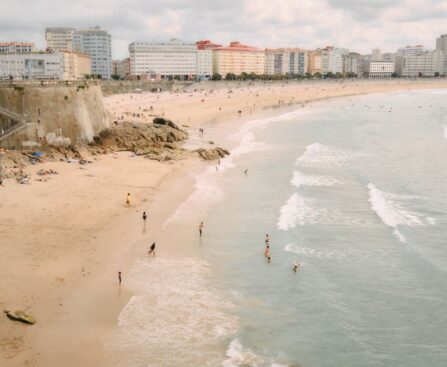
point(429, 63)
point(13, 47)
point(97, 43)
point(204, 63)
point(286, 61)
point(380, 69)
point(59, 38)
point(332, 59)
point(170, 59)
point(33, 65)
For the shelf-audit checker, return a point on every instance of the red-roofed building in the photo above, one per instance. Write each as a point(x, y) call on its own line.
point(238, 58)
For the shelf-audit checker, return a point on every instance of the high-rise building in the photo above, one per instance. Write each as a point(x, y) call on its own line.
point(205, 58)
point(59, 38)
point(441, 43)
point(353, 63)
point(286, 61)
point(97, 43)
point(376, 55)
point(429, 63)
point(13, 47)
point(238, 58)
point(315, 64)
point(332, 59)
point(411, 50)
point(165, 60)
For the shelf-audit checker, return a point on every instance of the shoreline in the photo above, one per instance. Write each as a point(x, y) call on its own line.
point(37, 346)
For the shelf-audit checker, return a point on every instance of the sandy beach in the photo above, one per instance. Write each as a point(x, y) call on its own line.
point(64, 239)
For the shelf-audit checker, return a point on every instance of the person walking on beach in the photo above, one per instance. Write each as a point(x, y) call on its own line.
point(246, 171)
point(119, 278)
point(151, 251)
point(144, 217)
point(128, 199)
point(200, 228)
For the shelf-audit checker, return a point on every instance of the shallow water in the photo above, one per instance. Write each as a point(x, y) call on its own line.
point(355, 190)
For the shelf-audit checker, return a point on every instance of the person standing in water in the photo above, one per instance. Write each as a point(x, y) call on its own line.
point(267, 251)
point(200, 229)
point(296, 267)
point(267, 239)
point(128, 199)
point(119, 278)
point(151, 251)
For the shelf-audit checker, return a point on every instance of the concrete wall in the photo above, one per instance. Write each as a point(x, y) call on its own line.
point(58, 115)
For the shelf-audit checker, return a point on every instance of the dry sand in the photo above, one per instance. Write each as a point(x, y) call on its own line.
point(62, 241)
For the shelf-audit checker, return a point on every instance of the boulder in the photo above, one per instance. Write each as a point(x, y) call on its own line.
point(212, 154)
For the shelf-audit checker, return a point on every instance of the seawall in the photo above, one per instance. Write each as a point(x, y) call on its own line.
point(59, 114)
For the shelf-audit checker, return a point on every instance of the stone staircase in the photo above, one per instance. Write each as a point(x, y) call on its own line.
point(19, 123)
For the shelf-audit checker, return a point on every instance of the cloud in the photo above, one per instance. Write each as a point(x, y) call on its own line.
point(355, 24)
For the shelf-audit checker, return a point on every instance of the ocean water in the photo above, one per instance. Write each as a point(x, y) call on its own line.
point(355, 190)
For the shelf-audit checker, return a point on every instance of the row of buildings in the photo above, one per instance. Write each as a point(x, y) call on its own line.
point(78, 54)
point(70, 55)
point(203, 59)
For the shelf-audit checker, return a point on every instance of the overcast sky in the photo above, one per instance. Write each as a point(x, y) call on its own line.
point(359, 25)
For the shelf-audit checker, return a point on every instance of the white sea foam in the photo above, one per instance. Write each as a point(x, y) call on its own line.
point(393, 214)
point(240, 356)
point(310, 252)
point(178, 315)
point(296, 211)
point(321, 156)
point(300, 179)
point(445, 131)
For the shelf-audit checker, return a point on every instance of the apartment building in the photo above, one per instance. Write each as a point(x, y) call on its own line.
point(238, 58)
point(96, 43)
point(59, 38)
point(13, 47)
point(205, 58)
point(314, 62)
point(353, 63)
point(441, 44)
point(165, 60)
point(332, 59)
point(428, 63)
point(286, 61)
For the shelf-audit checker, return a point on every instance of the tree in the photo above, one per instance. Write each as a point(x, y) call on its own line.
point(420, 75)
point(252, 76)
point(216, 76)
point(318, 75)
point(308, 75)
point(230, 76)
point(115, 77)
point(338, 75)
point(437, 74)
point(330, 75)
point(394, 75)
point(243, 76)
